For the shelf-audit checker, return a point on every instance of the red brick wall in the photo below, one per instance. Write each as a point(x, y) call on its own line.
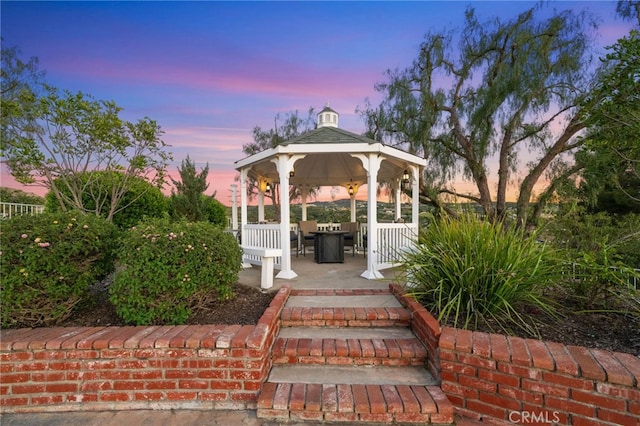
point(197, 367)
point(425, 327)
point(514, 379)
point(502, 379)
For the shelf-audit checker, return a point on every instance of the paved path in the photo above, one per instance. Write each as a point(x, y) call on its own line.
point(154, 418)
point(135, 418)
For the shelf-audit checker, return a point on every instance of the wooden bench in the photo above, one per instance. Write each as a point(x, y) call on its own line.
point(267, 255)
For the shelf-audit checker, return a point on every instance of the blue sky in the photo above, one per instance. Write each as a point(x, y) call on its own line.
point(209, 72)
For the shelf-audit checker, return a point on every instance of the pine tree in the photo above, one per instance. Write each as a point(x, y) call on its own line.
point(187, 199)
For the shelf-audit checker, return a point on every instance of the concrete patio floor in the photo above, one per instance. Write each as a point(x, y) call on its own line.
point(312, 275)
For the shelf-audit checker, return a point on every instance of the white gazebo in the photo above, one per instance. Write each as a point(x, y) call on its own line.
point(330, 156)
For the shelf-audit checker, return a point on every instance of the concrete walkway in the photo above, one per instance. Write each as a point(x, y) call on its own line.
point(155, 418)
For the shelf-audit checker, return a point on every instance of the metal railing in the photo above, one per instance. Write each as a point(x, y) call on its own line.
point(18, 209)
point(573, 269)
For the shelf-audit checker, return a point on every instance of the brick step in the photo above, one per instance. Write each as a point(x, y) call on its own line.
point(354, 351)
point(370, 403)
point(350, 356)
point(340, 292)
point(304, 316)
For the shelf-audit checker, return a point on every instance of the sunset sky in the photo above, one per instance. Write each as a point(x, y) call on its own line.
point(209, 72)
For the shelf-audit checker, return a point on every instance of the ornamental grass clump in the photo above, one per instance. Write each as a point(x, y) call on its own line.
point(167, 271)
point(48, 262)
point(467, 271)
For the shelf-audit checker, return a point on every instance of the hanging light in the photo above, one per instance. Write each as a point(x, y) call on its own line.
point(405, 176)
point(268, 187)
point(292, 173)
point(350, 189)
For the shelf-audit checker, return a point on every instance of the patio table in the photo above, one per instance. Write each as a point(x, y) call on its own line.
point(329, 246)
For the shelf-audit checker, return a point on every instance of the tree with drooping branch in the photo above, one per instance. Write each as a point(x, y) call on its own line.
point(509, 86)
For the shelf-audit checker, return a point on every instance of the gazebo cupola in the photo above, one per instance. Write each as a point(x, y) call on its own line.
point(327, 117)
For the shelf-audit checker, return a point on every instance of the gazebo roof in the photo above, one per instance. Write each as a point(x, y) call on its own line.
point(327, 135)
point(328, 156)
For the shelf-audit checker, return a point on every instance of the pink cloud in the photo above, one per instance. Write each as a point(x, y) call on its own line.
point(265, 76)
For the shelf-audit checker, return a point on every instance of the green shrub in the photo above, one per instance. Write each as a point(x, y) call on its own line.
point(211, 210)
point(168, 270)
point(468, 270)
point(580, 233)
point(142, 199)
point(601, 282)
point(602, 250)
point(214, 211)
point(48, 262)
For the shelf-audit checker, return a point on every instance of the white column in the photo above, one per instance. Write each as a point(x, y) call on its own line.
point(372, 166)
point(304, 191)
point(353, 205)
point(234, 208)
point(243, 210)
point(285, 218)
point(398, 189)
point(260, 205)
point(243, 199)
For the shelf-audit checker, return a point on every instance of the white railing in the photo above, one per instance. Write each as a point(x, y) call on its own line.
point(393, 239)
point(17, 209)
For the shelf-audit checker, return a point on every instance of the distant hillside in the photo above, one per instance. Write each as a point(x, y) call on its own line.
point(339, 211)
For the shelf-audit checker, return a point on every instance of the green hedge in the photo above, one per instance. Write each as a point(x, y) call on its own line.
point(142, 199)
point(168, 270)
point(48, 262)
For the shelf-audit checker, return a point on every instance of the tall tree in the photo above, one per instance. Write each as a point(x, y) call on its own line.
point(284, 129)
point(611, 154)
point(187, 201)
point(52, 139)
point(17, 75)
point(629, 10)
point(510, 86)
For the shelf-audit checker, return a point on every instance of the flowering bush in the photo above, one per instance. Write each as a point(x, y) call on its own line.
point(48, 262)
point(169, 270)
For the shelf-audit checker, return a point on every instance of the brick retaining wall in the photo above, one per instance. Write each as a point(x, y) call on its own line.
point(488, 377)
point(169, 367)
point(502, 379)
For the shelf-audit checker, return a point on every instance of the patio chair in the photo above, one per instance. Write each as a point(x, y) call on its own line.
point(307, 239)
point(351, 237)
point(293, 237)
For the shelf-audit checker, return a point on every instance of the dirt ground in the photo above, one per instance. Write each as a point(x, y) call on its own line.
point(245, 308)
point(609, 331)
